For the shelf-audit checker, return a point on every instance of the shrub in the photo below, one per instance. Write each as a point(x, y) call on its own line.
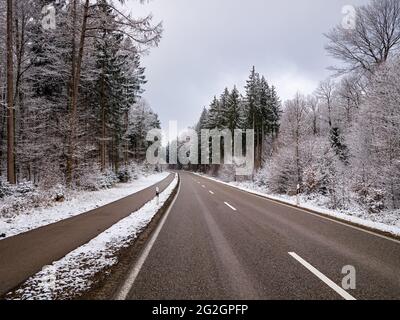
point(98, 181)
point(5, 189)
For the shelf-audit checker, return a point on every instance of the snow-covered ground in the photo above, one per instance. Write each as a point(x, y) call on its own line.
point(76, 203)
point(385, 221)
point(72, 274)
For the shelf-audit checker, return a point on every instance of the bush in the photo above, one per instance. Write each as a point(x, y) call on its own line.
point(371, 198)
point(124, 175)
point(5, 189)
point(25, 187)
point(98, 181)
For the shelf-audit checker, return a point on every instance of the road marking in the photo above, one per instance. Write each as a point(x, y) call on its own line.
point(321, 215)
point(343, 293)
point(211, 192)
point(233, 208)
point(203, 186)
point(134, 272)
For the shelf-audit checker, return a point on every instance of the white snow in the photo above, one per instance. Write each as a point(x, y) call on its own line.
point(72, 274)
point(385, 221)
point(78, 203)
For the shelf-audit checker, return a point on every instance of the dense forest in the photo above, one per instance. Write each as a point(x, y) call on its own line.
point(343, 141)
point(71, 82)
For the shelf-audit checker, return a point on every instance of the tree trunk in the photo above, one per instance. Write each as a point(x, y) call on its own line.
point(75, 94)
point(10, 97)
point(20, 26)
point(103, 125)
point(126, 151)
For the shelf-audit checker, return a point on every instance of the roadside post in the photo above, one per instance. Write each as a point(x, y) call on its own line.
point(158, 195)
point(298, 195)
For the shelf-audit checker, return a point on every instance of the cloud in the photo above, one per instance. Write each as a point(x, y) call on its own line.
point(211, 44)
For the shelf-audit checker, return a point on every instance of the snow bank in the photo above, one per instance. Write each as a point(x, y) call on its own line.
point(385, 221)
point(72, 274)
point(76, 204)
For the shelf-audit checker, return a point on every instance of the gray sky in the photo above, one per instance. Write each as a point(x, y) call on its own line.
point(210, 44)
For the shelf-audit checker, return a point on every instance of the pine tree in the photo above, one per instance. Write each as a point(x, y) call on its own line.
point(215, 115)
point(233, 112)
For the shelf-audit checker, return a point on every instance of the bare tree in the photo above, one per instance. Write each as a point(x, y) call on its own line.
point(350, 93)
point(296, 116)
point(325, 92)
point(374, 39)
point(313, 104)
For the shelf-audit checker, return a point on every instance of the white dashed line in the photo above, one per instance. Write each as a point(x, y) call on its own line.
point(211, 192)
point(233, 208)
point(343, 293)
point(203, 186)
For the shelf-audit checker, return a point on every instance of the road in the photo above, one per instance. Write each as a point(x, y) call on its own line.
point(24, 255)
point(218, 242)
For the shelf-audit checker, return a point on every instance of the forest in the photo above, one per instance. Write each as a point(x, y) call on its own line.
point(343, 141)
point(71, 85)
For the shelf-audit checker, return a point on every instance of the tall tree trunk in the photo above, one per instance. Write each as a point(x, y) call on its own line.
point(20, 25)
point(126, 142)
point(10, 97)
point(103, 125)
point(74, 96)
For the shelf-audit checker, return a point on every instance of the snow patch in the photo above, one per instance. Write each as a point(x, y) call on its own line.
point(71, 275)
point(78, 203)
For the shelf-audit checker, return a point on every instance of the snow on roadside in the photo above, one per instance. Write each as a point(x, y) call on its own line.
point(72, 274)
point(79, 203)
point(386, 221)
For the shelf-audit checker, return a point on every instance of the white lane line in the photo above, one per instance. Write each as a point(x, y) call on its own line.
point(318, 215)
point(127, 286)
point(211, 192)
point(233, 208)
point(343, 293)
point(203, 186)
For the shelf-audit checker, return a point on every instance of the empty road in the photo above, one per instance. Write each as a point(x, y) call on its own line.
point(218, 242)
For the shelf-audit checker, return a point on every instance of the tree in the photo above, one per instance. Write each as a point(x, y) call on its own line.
point(10, 97)
point(374, 39)
point(325, 93)
point(234, 115)
point(215, 116)
point(350, 95)
point(296, 129)
point(313, 104)
point(376, 140)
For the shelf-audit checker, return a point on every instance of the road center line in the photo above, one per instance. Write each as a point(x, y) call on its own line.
point(343, 293)
point(203, 186)
point(233, 208)
point(211, 192)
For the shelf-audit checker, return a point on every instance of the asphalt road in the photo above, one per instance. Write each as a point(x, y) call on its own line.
point(24, 255)
point(221, 243)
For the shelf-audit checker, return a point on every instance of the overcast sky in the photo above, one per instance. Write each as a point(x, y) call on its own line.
point(210, 44)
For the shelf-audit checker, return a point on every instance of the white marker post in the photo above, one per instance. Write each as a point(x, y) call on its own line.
point(298, 195)
point(158, 195)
